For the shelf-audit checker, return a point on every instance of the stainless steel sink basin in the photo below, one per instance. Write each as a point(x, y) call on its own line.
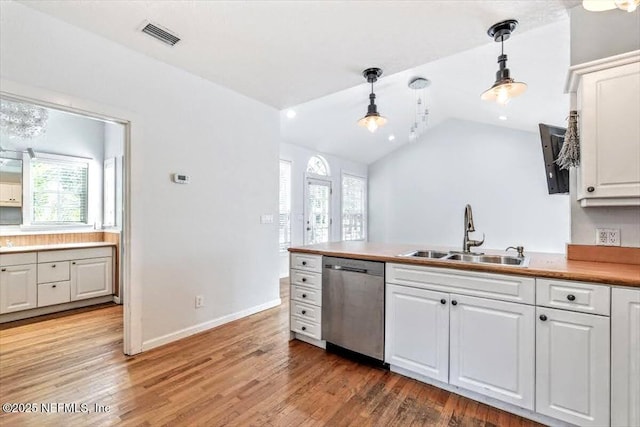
point(427, 253)
point(490, 259)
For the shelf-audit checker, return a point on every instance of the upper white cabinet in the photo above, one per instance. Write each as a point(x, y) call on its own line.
point(608, 104)
point(625, 357)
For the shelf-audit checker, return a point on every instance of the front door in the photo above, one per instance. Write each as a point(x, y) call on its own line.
point(317, 211)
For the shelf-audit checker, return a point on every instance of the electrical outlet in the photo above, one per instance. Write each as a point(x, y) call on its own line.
point(602, 237)
point(199, 301)
point(608, 237)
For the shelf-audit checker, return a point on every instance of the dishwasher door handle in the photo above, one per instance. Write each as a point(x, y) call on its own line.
point(350, 269)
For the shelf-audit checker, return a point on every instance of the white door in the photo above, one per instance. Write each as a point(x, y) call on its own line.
point(317, 211)
point(610, 133)
point(625, 357)
point(492, 349)
point(417, 331)
point(18, 288)
point(91, 278)
point(572, 366)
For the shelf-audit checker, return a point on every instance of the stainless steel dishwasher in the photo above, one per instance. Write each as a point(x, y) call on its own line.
point(353, 305)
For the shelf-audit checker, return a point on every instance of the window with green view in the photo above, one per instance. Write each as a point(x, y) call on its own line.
point(59, 191)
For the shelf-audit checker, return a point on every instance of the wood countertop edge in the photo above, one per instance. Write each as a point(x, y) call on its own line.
point(593, 277)
point(57, 247)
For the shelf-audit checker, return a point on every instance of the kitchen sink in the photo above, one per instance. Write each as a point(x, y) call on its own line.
point(426, 254)
point(471, 257)
point(490, 259)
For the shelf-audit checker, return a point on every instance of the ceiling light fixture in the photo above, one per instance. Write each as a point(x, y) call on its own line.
point(372, 120)
point(22, 120)
point(504, 87)
point(602, 5)
point(392, 137)
point(291, 114)
point(419, 86)
point(502, 117)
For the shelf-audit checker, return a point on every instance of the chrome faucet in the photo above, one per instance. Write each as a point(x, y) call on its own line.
point(468, 228)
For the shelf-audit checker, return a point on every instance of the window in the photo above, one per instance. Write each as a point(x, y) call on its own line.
point(285, 205)
point(318, 166)
point(354, 190)
point(59, 191)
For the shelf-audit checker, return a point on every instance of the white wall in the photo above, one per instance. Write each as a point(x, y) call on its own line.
point(114, 137)
point(204, 238)
point(69, 135)
point(617, 32)
point(299, 158)
point(417, 194)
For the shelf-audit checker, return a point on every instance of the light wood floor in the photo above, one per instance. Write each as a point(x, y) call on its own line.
point(243, 373)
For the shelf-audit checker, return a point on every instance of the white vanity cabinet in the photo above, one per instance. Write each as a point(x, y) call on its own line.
point(608, 104)
point(18, 285)
point(625, 357)
point(305, 277)
point(479, 336)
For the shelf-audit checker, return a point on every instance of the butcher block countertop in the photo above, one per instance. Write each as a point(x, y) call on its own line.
point(555, 266)
point(55, 247)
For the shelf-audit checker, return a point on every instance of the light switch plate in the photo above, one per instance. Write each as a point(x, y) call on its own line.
point(266, 219)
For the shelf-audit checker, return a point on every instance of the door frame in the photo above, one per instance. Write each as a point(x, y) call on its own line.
point(320, 180)
point(132, 322)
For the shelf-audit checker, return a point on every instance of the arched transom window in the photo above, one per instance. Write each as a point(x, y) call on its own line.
point(318, 166)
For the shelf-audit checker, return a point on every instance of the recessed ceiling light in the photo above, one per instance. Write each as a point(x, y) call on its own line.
point(291, 114)
point(502, 117)
point(392, 137)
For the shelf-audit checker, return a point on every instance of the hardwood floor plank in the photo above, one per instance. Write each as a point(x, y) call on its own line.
point(244, 373)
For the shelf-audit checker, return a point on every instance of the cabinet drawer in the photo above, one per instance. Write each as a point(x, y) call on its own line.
point(306, 278)
point(17, 259)
point(575, 296)
point(305, 294)
point(307, 328)
point(53, 272)
point(488, 285)
point(308, 312)
point(71, 254)
point(53, 293)
point(306, 262)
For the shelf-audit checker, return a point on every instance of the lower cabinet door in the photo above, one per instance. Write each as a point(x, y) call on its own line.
point(18, 288)
point(417, 331)
point(91, 278)
point(572, 366)
point(625, 357)
point(492, 349)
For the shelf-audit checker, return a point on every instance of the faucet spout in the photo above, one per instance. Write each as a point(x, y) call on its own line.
point(469, 228)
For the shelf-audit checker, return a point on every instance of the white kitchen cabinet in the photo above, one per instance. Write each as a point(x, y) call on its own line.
point(305, 305)
point(18, 288)
point(492, 349)
point(91, 278)
point(572, 366)
point(11, 194)
point(417, 331)
point(625, 357)
point(608, 103)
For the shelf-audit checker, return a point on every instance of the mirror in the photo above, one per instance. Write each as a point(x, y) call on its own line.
point(10, 191)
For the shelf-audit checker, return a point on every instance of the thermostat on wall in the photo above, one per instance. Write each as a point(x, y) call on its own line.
point(179, 178)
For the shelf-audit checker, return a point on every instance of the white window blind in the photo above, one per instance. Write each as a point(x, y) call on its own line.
point(59, 190)
point(285, 205)
point(354, 190)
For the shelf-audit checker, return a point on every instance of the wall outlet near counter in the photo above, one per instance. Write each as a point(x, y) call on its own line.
point(608, 236)
point(199, 301)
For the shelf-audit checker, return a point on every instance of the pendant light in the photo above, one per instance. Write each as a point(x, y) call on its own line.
point(372, 120)
point(504, 87)
point(602, 5)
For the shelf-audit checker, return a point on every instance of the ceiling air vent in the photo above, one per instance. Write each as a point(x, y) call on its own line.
point(161, 34)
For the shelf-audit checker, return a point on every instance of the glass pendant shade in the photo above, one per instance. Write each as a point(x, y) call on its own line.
point(502, 92)
point(602, 5)
point(372, 121)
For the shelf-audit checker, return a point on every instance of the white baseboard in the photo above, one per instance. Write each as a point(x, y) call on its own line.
point(525, 413)
point(191, 330)
point(116, 299)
